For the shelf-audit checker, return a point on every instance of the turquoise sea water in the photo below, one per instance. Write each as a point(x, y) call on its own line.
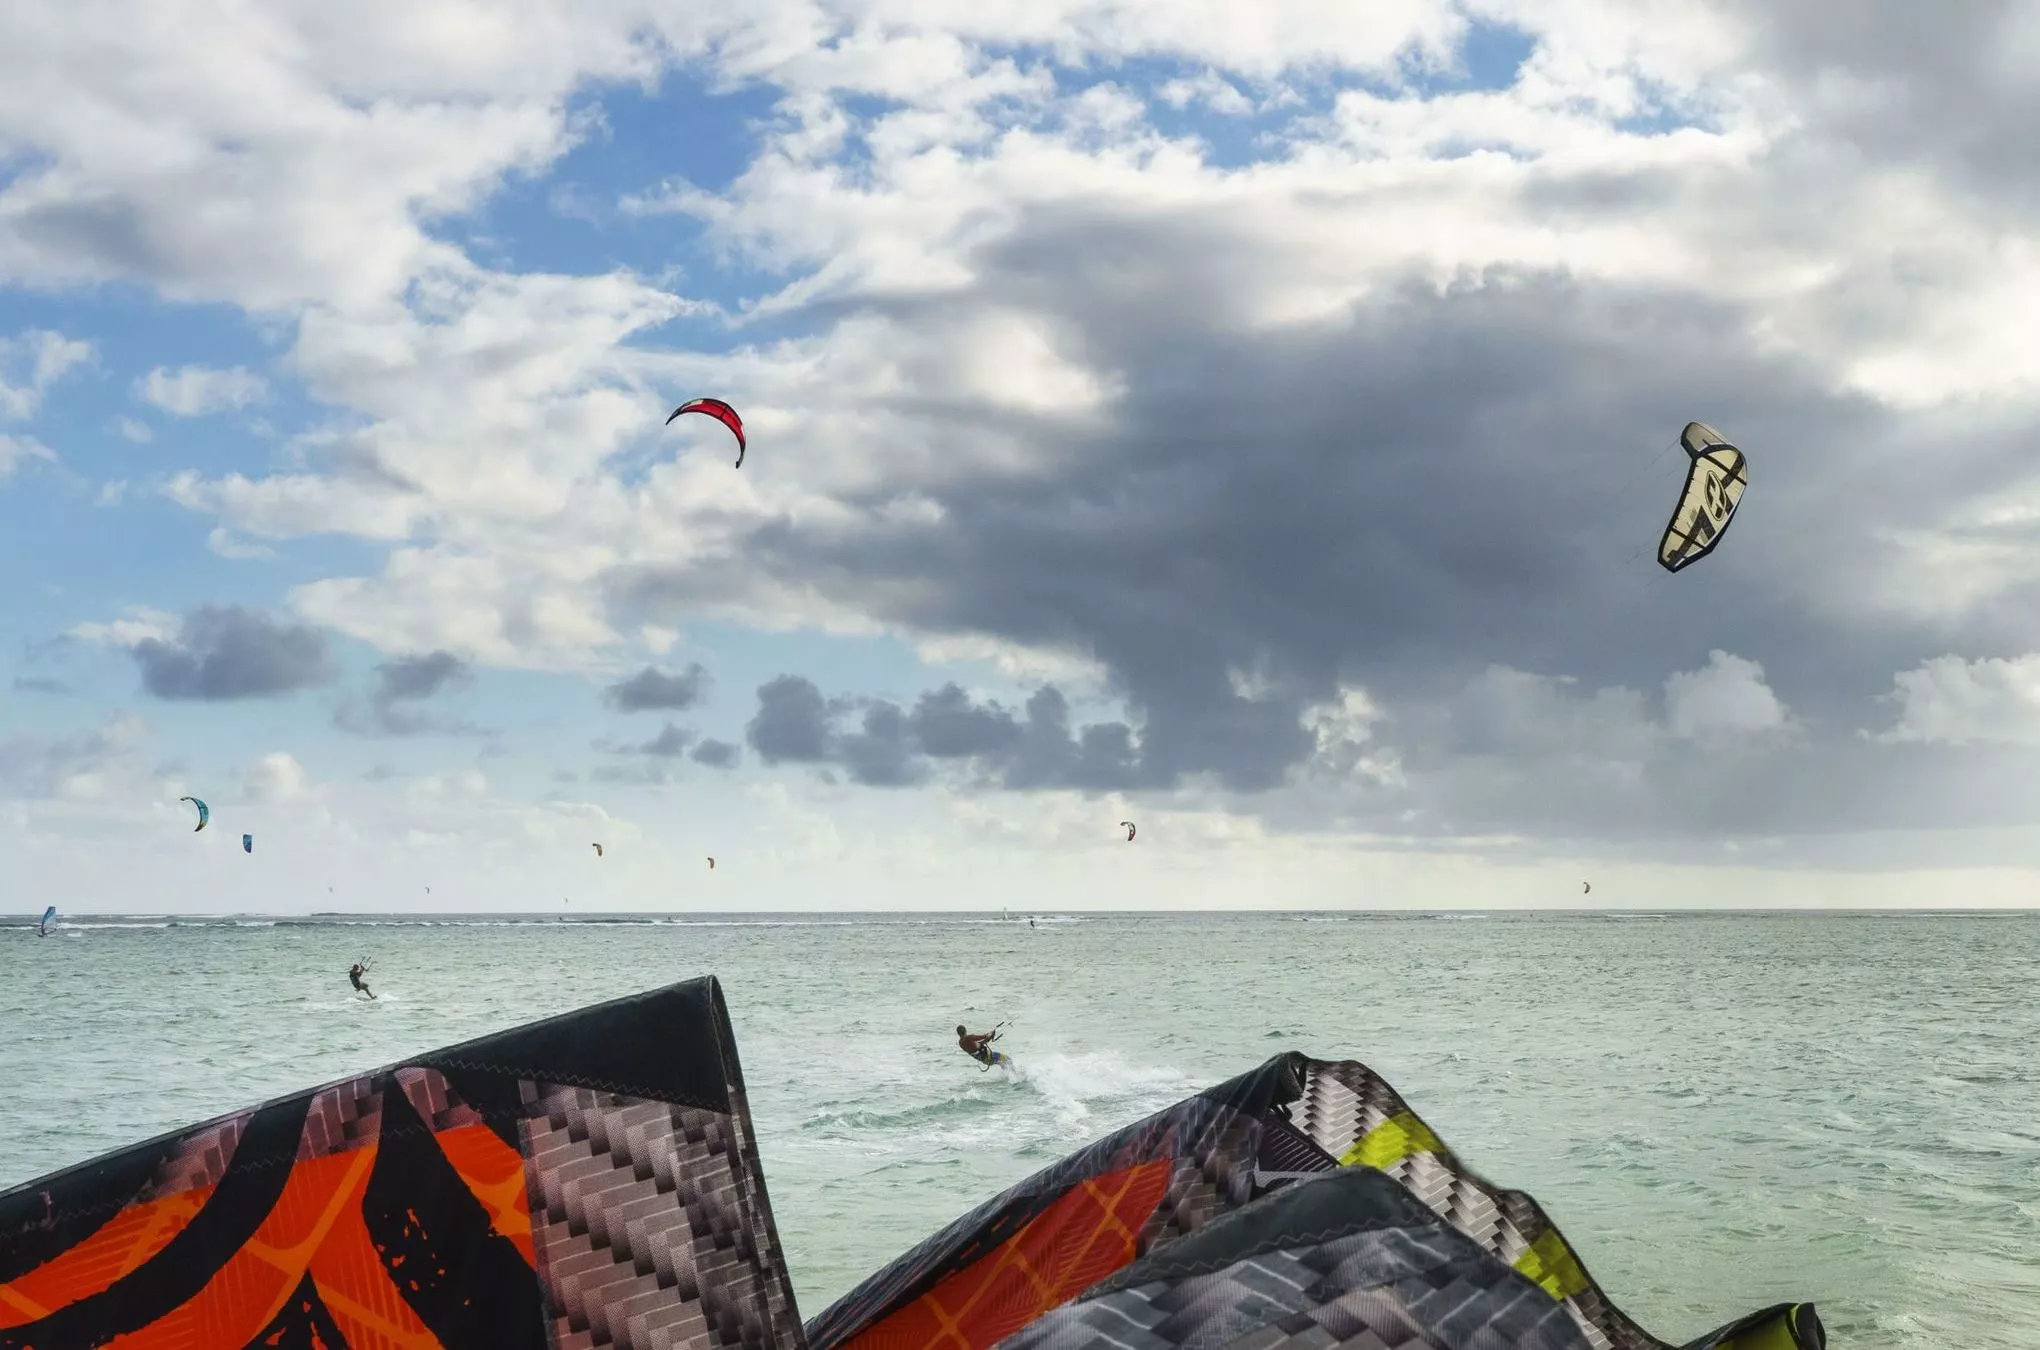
point(1721, 1111)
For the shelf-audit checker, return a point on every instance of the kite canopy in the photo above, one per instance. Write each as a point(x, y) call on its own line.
point(721, 412)
point(204, 812)
point(1715, 480)
point(598, 849)
point(247, 843)
point(1129, 830)
point(593, 1180)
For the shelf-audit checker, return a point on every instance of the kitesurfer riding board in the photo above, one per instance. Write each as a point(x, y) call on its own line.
point(354, 974)
point(979, 1047)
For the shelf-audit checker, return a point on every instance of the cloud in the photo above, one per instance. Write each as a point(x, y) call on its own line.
point(100, 766)
point(1506, 761)
point(31, 363)
point(1724, 700)
point(652, 688)
point(1951, 701)
point(15, 450)
point(646, 773)
point(275, 777)
point(715, 754)
point(220, 541)
point(37, 684)
point(879, 754)
point(416, 677)
point(792, 722)
point(194, 391)
point(670, 743)
point(1209, 89)
point(142, 623)
point(228, 652)
point(409, 679)
point(893, 747)
point(319, 150)
point(134, 430)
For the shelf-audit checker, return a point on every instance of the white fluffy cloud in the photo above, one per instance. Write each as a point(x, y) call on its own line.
point(193, 391)
point(17, 450)
point(275, 777)
point(36, 359)
point(1951, 701)
point(1725, 700)
point(142, 623)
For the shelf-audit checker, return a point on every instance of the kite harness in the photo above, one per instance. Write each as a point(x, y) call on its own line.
point(983, 1052)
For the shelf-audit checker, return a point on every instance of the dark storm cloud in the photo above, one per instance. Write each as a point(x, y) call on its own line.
point(880, 753)
point(792, 722)
point(408, 679)
point(227, 652)
point(950, 726)
point(1398, 497)
point(888, 746)
point(1400, 502)
point(652, 688)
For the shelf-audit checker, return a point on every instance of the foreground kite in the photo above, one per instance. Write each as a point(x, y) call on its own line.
point(1129, 830)
point(593, 1181)
point(1715, 480)
point(721, 412)
point(204, 812)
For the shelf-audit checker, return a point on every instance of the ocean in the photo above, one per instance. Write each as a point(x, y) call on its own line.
point(1721, 1111)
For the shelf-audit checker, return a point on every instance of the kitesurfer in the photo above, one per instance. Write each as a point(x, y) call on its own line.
point(354, 974)
point(979, 1047)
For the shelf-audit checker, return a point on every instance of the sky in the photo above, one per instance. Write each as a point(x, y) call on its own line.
point(1255, 422)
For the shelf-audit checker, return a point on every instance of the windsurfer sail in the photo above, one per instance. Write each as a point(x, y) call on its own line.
point(49, 918)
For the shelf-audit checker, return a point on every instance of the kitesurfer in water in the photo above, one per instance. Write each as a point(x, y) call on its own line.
point(979, 1047)
point(354, 974)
